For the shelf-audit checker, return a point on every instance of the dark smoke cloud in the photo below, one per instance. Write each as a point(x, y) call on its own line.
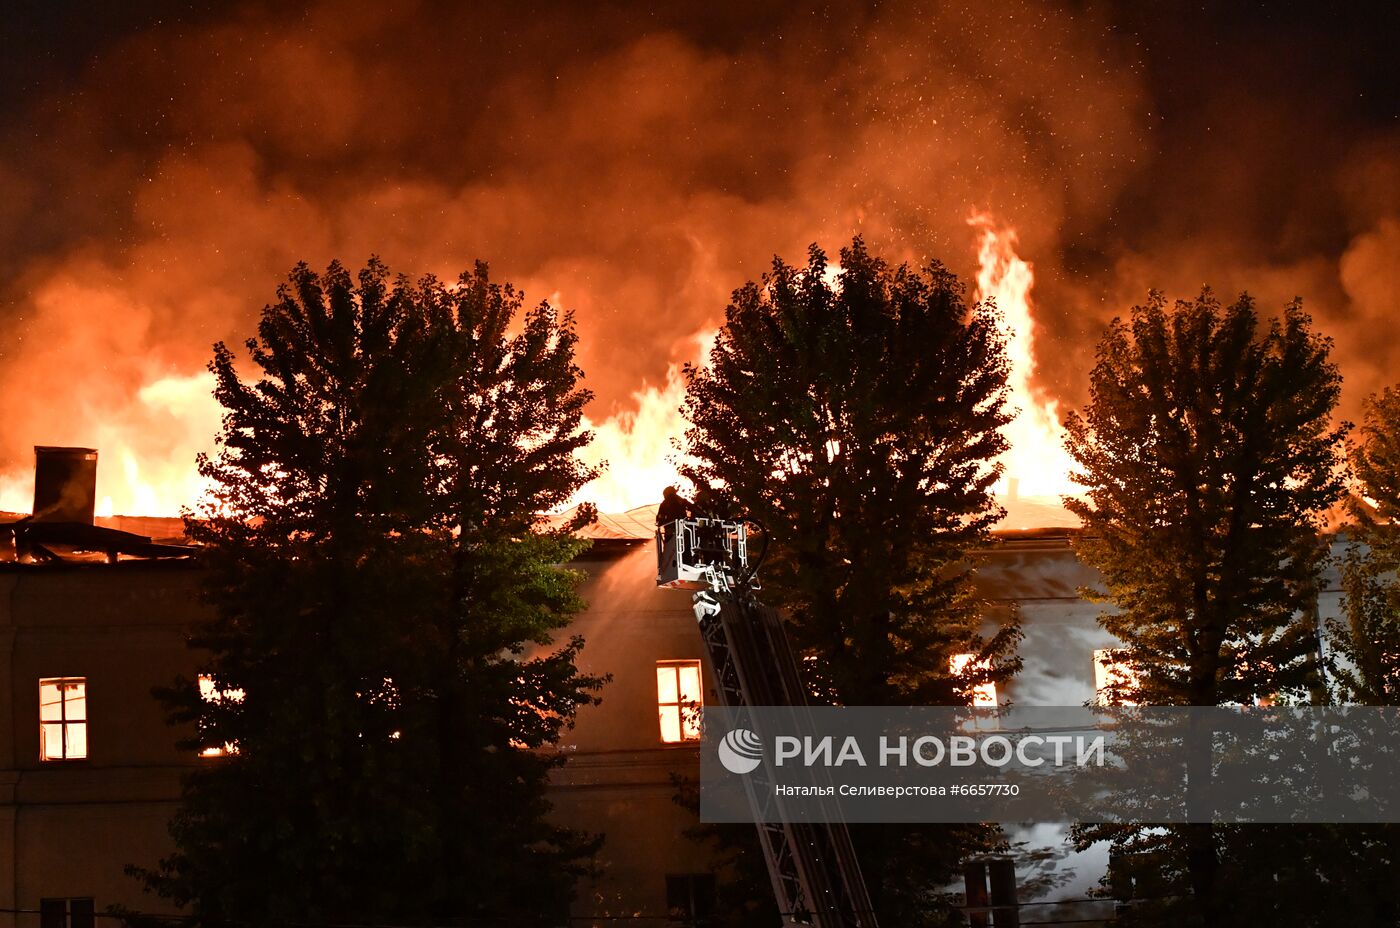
point(1273, 166)
point(161, 173)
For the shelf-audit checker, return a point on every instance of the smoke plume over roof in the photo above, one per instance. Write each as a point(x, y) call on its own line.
point(162, 170)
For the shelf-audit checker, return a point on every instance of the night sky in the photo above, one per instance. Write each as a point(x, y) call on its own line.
point(162, 165)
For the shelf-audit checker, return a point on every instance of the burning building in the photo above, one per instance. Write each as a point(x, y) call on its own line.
point(631, 163)
point(94, 615)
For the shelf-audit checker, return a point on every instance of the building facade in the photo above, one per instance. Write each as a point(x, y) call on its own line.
point(89, 772)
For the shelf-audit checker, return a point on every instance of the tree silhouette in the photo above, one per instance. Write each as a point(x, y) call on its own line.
point(385, 597)
point(858, 423)
point(1369, 638)
point(1209, 457)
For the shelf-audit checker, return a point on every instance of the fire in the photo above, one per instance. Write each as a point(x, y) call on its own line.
point(1037, 464)
point(640, 455)
point(15, 494)
point(638, 447)
point(148, 450)
point(190, 418)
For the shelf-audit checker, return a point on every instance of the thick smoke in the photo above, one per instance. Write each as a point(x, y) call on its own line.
point(635, 166)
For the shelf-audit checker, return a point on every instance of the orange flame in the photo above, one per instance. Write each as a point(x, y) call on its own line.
point(1037, 464)
point(147, 452)
point(636, 449)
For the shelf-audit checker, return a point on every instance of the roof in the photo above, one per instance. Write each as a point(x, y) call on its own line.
point(1026, 513)
point(637, 524)
point(51, 542)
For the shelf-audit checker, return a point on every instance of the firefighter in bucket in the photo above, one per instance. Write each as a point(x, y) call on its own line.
point(690, 543)
point(673, 506)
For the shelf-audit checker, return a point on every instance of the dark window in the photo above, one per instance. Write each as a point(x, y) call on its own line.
point(690, 898)
point(1137, 875)
point(66, 913)
point(991, 892)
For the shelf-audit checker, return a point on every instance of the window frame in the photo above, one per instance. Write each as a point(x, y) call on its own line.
point(984, 695)
point(689, 732)
point(1107, 672)
point(64, 723)
point(210, 694)
point(69, 918)
point(699, 891)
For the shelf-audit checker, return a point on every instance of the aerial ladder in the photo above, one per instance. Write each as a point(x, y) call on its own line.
point(812, 865)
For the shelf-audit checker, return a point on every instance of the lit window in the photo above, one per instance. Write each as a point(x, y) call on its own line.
point(1112, 674)
point(63, 718)
point(210, 694)
point(678, 700)
point(983, 694)
point(66, 913)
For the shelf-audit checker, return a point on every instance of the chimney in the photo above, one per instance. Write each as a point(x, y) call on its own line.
point(65, 484)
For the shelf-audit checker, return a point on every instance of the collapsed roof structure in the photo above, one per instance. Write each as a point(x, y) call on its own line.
point(62, 526)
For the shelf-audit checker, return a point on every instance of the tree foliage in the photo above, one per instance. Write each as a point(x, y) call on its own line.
point(1361, 864)
point(1285, 875)
point(384, 600)
point(1209, 457)
point(858, 423)
point(1368, 638)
